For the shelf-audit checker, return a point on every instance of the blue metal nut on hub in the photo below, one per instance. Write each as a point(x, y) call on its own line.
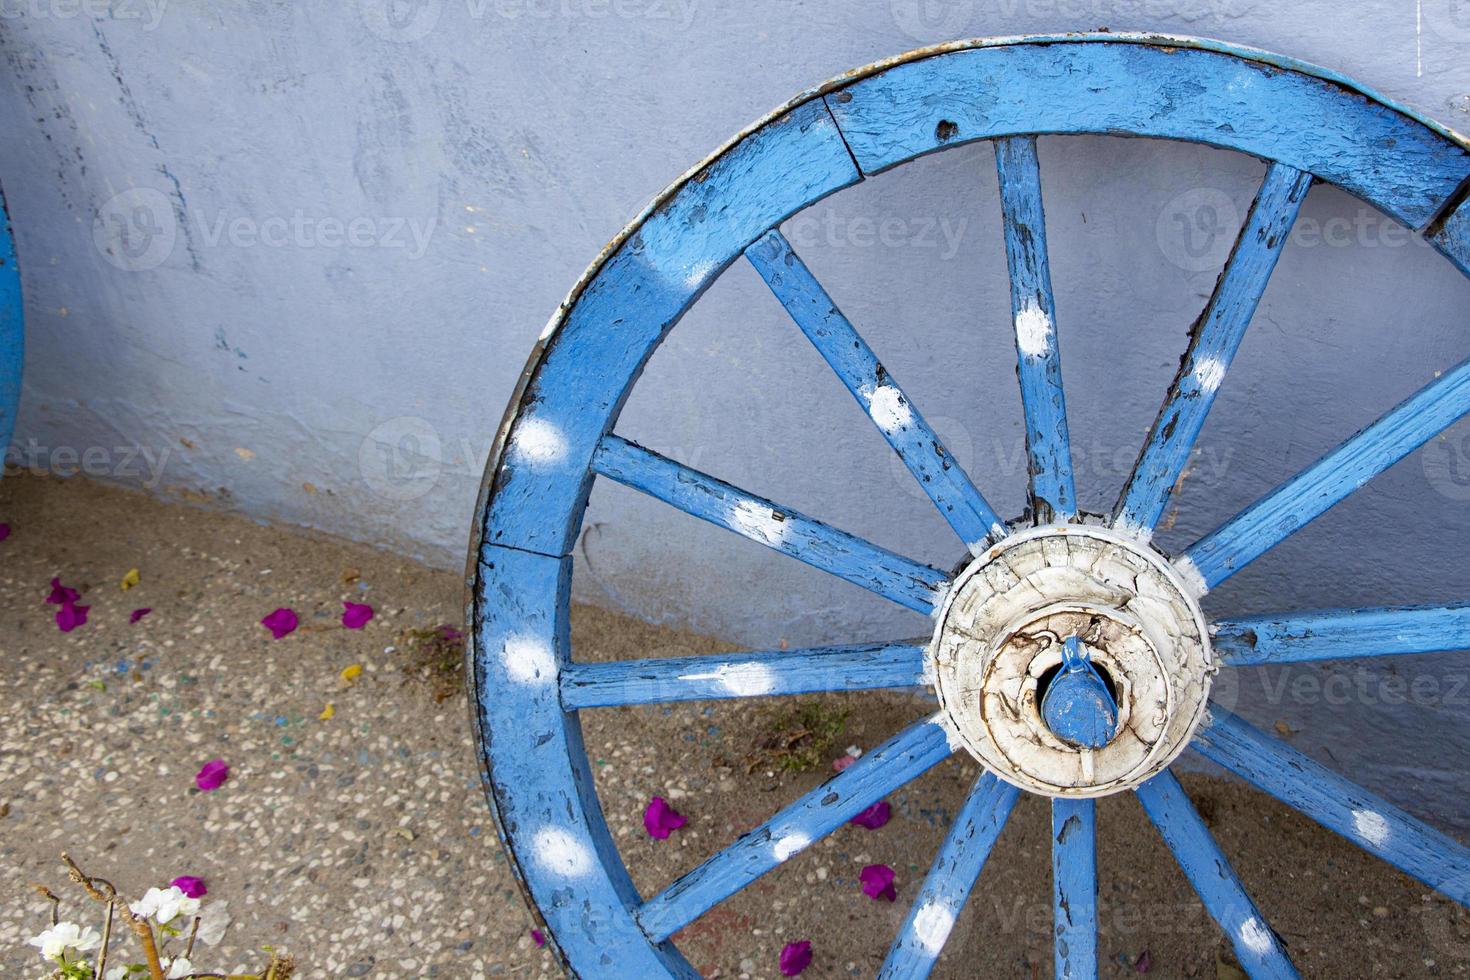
point(1077, 705)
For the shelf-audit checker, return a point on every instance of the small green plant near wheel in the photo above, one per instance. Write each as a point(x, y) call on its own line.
point(436, 653)
point(166, 925)
point(799, 738)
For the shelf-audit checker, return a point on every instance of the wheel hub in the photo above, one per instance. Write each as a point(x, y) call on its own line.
point(1000, 644)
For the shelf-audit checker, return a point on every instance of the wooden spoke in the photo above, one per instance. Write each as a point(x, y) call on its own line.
point(1256, 945)
point(741, 675)
point(1039, 368)
point(1213, 342)
point(1337, 634)
point(1074, 887)
point(1376, 826)
point(876, 391)
point(951, 879)
point(892, 576)
point(1304, 497)
point(816, 814)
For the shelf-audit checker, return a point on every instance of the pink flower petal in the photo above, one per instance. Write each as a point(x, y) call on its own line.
point(874, 816)
point(537, 937)
point(70, 616)
point(355, 615)
point(842, 762)
point(212, 775)
point(280, 622)
point(4, 530)
point(61, 595)
point(660, 819)
point(449, 634)
point(138, 614)
point(191, 886)
point(877, 882)
point(795, 957)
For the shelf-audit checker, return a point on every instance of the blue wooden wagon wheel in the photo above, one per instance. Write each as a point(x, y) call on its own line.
point(1069, 654)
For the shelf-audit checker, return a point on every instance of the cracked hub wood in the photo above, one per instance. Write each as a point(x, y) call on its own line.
point(999, 643)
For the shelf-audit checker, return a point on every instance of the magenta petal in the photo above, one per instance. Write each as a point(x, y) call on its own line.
point(660, 819)
point(874, 816)
point(537, 937)
point(877, 882)
point(842, 762)
point(61, 595)
point(355, 615)
point(138, 614)
point(280, 622)
point(4, 530)
point(191, 886)
point(212, 775)
point(795, 957)
point(70, 616)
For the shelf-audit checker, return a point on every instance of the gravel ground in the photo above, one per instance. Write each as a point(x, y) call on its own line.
point(361, 843)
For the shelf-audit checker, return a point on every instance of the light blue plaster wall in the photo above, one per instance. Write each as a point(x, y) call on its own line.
point(291, 257)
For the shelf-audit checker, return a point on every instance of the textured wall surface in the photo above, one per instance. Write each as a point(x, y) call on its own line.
point(289, 258)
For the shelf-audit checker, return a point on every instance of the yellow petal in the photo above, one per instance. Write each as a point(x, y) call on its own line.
point(327, 712)
point(131, 579)
point(350, 673)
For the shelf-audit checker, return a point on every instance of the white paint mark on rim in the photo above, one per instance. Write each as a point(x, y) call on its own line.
point(932, 925)
point(1371, 827)
point(1208, 373)
point(889, 409)
point(559, 851)
point(528, 660)
point(789, 845)
point(540, 441)
point(1256, 936)
point(1033, 331)
point(1190, 574)
point(697, 273)
point(759, 522)
point(550, 327)
point(746, 680)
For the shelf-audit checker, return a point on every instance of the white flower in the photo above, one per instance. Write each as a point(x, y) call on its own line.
point(117, 973)
point(180, 968)
point(148, 904)
point(213, 922)
point(54, 942)
point(165, 904)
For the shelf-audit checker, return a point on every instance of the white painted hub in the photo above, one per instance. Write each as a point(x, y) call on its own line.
point(1001, 630)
